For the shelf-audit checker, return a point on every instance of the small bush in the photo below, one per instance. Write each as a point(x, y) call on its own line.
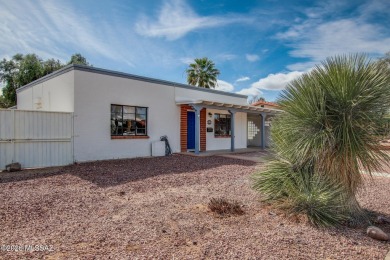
point(222, 206)
point(302, 192)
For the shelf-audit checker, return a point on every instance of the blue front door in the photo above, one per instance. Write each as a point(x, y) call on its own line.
point(190, 130)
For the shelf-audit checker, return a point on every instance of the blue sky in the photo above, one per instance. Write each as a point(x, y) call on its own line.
point(257, 45)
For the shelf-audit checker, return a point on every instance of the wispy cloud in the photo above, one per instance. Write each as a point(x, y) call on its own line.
point(187, 60)
point(250, 92)
point(224, 86)
point(243, 79)
point(50, 29)
point(317, 38)
point(226, 56)
point(252, 57)
point(176, 19)
point(276, 81)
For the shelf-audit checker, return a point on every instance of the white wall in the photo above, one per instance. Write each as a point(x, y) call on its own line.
point(184, 94)
point(218, 143)
point(55, 94)
point(94, 94)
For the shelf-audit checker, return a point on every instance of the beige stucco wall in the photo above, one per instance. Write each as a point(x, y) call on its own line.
point(90, 95)
point(218, 143)
point(94, 94)
point(55, 94)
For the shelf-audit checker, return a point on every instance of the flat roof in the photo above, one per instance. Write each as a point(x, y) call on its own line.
point(122, 75)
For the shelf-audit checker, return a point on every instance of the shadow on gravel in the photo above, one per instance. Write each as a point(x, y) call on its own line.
point(30, 174)
point(116, 172)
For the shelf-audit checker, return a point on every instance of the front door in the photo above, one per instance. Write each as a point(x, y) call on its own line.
point(190, 130)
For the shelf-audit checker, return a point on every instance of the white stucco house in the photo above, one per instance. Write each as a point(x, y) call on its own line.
point(119, 115)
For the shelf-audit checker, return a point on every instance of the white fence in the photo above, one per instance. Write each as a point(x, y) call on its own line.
point(35, 138)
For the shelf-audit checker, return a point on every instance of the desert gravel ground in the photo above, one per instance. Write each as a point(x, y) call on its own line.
point(156, 208)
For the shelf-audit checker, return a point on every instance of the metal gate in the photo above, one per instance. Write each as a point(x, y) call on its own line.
point(35, 138)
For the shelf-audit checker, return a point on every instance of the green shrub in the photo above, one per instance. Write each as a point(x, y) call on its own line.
point(301, 192)
point(329, 132)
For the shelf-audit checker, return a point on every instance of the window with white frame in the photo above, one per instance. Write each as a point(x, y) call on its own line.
point(128, 120)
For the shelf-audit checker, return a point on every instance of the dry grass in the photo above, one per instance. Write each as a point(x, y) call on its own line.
point(225, 207)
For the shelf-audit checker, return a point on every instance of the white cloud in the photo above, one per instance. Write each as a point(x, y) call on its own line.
point(251, 92)
point(252, 57)
point(316, 38)
point(187, 60)
point(243, 79)
point(226, 56)
point(176, 19)
point(51, 28)
point(224, 86)
point(276, 81)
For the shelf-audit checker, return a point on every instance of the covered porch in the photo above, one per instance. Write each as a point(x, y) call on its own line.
point(194, 118)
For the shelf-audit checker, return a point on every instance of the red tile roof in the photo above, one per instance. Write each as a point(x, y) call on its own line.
point(262, 103)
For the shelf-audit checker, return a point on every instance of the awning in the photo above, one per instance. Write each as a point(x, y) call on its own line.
point(228, 106)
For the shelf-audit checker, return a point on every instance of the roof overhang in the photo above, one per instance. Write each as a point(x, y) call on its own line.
point(231, 107)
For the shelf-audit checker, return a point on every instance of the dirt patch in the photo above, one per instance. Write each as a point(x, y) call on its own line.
point(157, 208)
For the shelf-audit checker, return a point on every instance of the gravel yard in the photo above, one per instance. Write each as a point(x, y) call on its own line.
point(157, 208)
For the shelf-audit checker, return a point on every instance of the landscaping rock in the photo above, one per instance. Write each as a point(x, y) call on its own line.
point(13, 167)
point(377, 233)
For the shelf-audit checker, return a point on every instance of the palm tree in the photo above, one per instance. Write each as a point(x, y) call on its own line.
point(329, 132)
point(202, 73)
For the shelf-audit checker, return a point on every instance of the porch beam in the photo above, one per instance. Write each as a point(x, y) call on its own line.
point(232, 136)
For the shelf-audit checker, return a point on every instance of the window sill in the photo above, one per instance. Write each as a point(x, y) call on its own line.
point(222, 136)
point(129, 137)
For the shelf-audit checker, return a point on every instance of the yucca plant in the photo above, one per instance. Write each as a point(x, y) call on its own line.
point(330, 129)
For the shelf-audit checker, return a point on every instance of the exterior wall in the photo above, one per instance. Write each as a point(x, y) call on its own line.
point(55, 94)
point(219, 143)
point(90, 94)
point(184, 95)
point(94, 94)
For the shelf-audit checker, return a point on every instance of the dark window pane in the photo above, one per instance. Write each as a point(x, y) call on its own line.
point(141, 117)
point(141, 131)
point(128, 109)
point(141, 110)
point(116, 109)
point(128, 120)
point(128, 116)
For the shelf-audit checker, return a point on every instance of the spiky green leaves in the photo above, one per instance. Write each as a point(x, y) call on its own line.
point(298, 191)
point(334, 117)
point(329, 132)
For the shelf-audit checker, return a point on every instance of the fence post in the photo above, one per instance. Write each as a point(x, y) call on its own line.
point(13, 134)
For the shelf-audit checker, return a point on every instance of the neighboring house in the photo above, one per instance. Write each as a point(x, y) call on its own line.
point(118, 115)
point(266, 104)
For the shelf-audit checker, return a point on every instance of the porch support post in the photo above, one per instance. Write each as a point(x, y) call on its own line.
point(263, 130)
point(232, 136)
point(197, 127)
